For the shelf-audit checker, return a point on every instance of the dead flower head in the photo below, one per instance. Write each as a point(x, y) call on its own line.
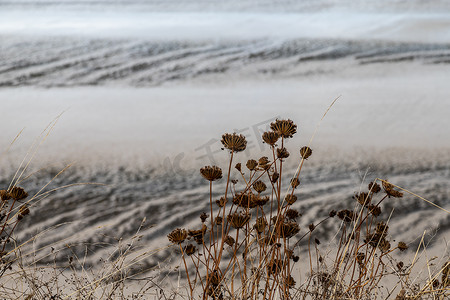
point(197, 235)
point(295, 182)
point(374, 210)
point(211, 173)
point(177, 236)
point(259, 186)
point(252, 164)
point(18, 193)
point(346, 215)
point(4, 195)
point(282, 153)
point(190, 249)
point(290, 199)
point(290, 282)
point(260, 224)
point(203, 217)
point(275, 177)
point(234, 142)
point(229, 241)
point(260, 201)
point(285, 128)
point(374, 187)
point(289, 229)
point(292, 214)
point(402, 246)
point(221, 202)
point(305, 152)
point(264, 163)
point(362, 198)
point(238, 220)
point(23, 211)
point(245, 200)
point(270, 137)
point(389, 189)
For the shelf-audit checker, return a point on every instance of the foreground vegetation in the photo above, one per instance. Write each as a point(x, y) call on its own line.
point(249, 245)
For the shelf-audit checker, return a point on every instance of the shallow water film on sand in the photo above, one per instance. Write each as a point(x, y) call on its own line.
point(147, 88)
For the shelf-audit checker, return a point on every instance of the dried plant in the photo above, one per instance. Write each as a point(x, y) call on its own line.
point(252, 242)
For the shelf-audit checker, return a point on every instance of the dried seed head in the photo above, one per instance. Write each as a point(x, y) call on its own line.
point(290, 282)
point(264, 163)
point(374, 210)
point(282, 153)
point(400, 265)
point(177, 236)
point(384, 245)
point(221, 202)
point(292, 214)
point(374, 187)
point(274, 266)
point(238, 220)
point(238, 167)
point(234, 181)
point(259, 186)
point(311, 227)
point(382, 229)
point(234, 142)
point(245, 200)
point(18, 193)
point(260, 224)
point(305, 152)
point(252, 164)
point(332, 213)
point(218, 220)
point(289, 229)
point(198, 235)
point(295, 258)
point(211, 173)
point(389, 189)
point(270, 137)
point(23, 211)
point(260, 201)
point(190, 249)
point(4, 195)
point(290, 199)
point(285, 128)
point(295, 182)
point(402, 246)
point(214, 278)
point(363, 198)
point(203, 217)
point(346, 215)
point(229, 241)
point(275, 177)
